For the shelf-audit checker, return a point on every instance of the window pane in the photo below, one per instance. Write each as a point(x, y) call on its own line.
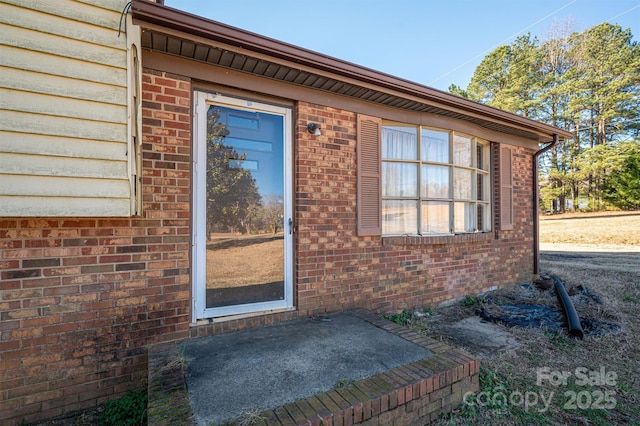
point(464, 217)
point(452, 186)
point(484, 218)
point(462, 151)
point(399, 217)
point(400, 142)
point(435, 217)
point(482, 189)
point(483, 156)
point(399, 180)
point(435, 146)
point(435, 182)
point(462, 184)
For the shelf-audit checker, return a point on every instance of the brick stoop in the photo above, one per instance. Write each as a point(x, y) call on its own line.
point(412, 394)
point(168, 399)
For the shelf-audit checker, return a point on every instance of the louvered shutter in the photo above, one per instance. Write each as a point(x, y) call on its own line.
point(369, 208)
point(506, 189)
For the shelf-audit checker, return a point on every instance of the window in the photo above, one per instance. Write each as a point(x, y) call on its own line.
point(434, 181)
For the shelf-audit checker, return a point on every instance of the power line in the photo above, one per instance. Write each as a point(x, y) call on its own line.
point(504, 41)
point(623, 13)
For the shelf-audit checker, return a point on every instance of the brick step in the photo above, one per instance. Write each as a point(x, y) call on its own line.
point(415, 393)
point(168, 399)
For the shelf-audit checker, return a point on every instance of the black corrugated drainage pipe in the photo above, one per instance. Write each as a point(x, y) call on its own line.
point(536, 207)
point(573, 321)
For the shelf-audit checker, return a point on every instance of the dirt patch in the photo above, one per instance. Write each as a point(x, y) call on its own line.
point(598, 252)
point(524, 306)
point(482, 338)
point(610, 346)
point(531, 307)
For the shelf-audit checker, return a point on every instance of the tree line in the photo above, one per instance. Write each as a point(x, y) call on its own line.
point(234, 202)
point(587, 83)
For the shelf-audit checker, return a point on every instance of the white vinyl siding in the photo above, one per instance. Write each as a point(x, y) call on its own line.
point(65, 109)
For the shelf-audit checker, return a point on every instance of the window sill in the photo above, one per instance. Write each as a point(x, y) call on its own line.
point(416, 240)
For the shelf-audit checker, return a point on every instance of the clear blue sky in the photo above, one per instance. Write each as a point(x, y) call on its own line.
point(431, 42)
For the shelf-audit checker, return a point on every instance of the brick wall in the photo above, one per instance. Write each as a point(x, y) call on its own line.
point(336, 269)
point(82, 297)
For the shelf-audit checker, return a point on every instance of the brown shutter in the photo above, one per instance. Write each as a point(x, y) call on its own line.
point(506, 190)
point(369, 208)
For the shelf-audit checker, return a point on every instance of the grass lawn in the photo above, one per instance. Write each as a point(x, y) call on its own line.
point(551, 378)
point(608, 228)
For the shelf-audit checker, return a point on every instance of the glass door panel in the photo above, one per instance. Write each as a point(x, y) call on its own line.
point(244, 248)
point(245, 207)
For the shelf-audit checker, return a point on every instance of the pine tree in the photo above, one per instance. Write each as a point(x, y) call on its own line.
point(232, 195)
point(587, 83)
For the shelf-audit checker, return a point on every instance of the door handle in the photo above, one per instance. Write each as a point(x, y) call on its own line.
point(290, 226)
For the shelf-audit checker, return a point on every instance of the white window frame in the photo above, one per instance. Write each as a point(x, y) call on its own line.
point(475, 170)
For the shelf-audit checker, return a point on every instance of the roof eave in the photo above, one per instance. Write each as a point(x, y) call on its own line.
point(175, 19)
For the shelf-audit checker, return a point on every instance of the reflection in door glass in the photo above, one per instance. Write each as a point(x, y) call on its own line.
point(245, 207)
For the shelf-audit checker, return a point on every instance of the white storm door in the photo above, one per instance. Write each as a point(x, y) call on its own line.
point(243, 228)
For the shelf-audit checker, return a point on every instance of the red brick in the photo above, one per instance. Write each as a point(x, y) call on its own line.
point(40, 321)
point(97, 272)
point(24, 333)
point(165, 82)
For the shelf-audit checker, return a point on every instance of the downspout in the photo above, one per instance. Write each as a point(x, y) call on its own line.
point(536, 207)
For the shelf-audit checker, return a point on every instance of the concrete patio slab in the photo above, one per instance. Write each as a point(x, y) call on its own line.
point(342, 369)
point(479, 337)
point(227, 374)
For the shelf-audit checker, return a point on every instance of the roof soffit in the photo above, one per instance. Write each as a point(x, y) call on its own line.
point(178, 33)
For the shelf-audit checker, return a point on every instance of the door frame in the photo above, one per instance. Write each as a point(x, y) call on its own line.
point(202, 100)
